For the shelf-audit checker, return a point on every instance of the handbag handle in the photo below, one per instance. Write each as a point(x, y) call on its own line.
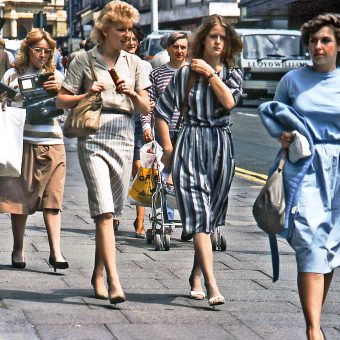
point(93, 72)
point(282, 160)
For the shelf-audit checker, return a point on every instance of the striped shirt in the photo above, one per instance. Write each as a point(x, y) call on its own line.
point(47, 133)
point(203, 110)
point(160, 77)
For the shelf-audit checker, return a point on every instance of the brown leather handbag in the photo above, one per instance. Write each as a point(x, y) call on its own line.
point(84, 119)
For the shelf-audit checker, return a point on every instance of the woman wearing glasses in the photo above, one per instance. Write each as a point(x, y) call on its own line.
point(203, 161)
point(41, 184)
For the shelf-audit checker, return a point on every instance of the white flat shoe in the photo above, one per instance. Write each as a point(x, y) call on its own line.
point(216, 301)
point(197, 295)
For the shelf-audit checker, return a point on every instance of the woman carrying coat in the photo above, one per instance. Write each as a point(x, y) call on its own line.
point(41, 184)
point(106, 156)
point(313, 91)
point(203, 159)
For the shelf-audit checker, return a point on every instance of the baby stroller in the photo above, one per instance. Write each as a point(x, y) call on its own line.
point(218, 241)
point(162, 224)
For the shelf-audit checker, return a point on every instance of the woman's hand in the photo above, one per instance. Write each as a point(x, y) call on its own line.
point(3, 96)
point(97, 87)
point(285, 139)
point(52, 84)
point(3, 101)
point(147, 135)
point(201, 67)
point(123, 88)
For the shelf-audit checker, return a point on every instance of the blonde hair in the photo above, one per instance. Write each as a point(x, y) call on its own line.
point(113, 12)
point(233, 44)
point(22, 57)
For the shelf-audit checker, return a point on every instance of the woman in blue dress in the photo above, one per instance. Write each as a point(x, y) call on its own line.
point(203, 161)
point(314, 92)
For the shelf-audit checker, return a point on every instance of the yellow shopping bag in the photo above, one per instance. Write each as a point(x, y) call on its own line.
point(143, 186)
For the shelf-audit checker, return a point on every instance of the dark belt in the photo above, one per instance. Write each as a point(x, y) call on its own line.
point(205, 125)
point(113, 111)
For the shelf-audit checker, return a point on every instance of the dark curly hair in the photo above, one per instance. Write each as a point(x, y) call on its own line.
point(326, 19)
point(233, 44)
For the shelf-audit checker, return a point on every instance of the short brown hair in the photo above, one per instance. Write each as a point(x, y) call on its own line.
point(233, 44)
point(114, 11)
point(172, 38)
point(326, 19)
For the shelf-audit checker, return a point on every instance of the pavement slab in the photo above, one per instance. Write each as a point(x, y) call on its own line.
point(36, 303)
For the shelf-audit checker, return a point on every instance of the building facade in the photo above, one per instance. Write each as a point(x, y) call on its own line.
point(172, 14)
point(18, 17)
point(292, 12)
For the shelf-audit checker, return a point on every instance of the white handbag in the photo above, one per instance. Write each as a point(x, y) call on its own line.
point(12, 121)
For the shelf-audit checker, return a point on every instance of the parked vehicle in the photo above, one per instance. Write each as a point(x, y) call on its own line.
point(267, 55)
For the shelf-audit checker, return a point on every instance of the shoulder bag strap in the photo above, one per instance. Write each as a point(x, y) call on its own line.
point(184, 107)
point(93, 72)
point(282, 160)
point(274, 249)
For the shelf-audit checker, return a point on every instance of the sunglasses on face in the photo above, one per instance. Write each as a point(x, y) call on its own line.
point(39, 51)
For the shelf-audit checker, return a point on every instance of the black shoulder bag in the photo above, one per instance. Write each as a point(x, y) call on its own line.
point(40, 104)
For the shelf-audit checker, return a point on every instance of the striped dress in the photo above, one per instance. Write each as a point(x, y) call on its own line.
point(203, 162)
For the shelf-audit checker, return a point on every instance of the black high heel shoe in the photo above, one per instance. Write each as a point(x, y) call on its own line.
point(20, 265)
point(57, 265)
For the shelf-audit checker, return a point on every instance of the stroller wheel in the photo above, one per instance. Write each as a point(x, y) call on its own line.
point(157, 241)
point(148, 236)
point(213, 238)
point(167, 241)
point(223, 243)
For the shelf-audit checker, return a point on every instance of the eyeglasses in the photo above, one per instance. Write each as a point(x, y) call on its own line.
point(133, 40)
point(39, 50)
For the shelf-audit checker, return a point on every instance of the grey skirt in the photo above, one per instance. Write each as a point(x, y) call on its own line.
point(106, 162)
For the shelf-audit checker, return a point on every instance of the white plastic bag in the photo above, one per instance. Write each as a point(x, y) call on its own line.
point(299, 148)
point(12, 122)
point(150, 152)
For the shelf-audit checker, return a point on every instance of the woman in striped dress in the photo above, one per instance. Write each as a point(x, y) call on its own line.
point(106, 156)
point(203, 160)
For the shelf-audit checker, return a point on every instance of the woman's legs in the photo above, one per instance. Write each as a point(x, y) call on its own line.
point(52, 221)
point(195, 276)
point(139, 223)
point(204, 256)
point(313, 289)
point(106, 257)
point(18, 230)
point(97, 279)
point(328, 279)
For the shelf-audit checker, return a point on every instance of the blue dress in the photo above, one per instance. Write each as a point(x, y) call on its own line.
point(316, 232)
